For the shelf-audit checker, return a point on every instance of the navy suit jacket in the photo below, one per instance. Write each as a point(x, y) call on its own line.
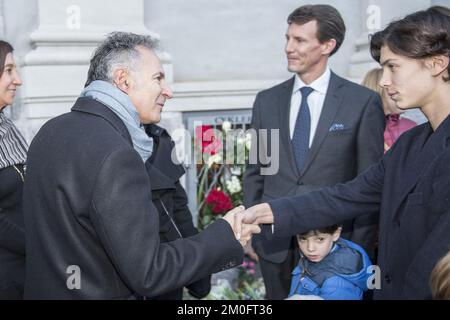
point(410, 187)
point(348, 139)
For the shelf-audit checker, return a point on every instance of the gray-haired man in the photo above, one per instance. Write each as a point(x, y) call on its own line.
point(92, 230)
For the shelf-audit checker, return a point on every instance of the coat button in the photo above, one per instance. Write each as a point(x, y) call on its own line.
point(300, 183)
point(388, 279)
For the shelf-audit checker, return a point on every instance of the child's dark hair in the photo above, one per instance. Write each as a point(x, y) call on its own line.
point(328, 230)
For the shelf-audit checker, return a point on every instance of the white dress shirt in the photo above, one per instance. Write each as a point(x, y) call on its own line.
point(315, 101)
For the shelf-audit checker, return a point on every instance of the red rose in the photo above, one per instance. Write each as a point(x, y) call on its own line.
point(205, 138)
point(219, 201)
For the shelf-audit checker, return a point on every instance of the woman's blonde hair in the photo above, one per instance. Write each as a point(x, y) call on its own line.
point(440, 279)
point(372, 80)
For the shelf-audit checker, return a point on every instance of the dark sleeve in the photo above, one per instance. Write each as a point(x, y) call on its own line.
point(12, 236)
point(128, 228)
point(370, 149)
point(253, 184)
point(332, 205)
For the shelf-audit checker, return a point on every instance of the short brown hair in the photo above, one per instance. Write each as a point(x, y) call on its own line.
point(330, 24)
point(5, 48)
point(419, 35)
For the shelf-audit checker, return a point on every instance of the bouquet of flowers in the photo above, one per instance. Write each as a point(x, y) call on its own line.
point(221, 154)
point(248, 285)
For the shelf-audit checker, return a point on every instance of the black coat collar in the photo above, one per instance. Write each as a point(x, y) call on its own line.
point(94, 107)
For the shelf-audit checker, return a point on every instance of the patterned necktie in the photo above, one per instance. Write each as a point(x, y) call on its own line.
point(300, 140)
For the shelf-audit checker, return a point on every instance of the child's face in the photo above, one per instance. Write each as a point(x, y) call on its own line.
point(316, 247)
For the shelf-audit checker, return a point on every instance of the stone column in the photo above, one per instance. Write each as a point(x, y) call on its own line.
point(55, 71)
point(2, 27)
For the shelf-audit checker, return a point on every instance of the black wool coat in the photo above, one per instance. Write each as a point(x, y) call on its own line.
point(92, 229)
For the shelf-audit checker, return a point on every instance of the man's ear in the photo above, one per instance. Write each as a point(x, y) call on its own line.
point(328, 46)
point(439, 65)
point(121, 79)
point(337, 234)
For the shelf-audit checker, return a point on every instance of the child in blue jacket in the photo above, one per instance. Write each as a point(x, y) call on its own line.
point(330, 267)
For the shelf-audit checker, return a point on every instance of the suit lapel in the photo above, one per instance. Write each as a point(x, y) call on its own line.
point(333, 100)
point(284, 99)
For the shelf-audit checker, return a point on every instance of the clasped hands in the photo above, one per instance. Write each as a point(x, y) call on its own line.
point(245, 222)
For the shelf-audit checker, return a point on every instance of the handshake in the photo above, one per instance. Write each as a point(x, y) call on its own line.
point(245, 222)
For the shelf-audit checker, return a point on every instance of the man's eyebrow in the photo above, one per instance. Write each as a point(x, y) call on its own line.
point(160, 74)
point(295, 37)
point(386, 62)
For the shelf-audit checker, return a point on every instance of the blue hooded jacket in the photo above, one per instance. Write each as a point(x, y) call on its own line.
point(341, 275)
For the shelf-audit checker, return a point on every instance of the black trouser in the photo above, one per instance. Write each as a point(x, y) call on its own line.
point(277, 276)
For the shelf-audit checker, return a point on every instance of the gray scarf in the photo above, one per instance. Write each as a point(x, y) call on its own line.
point(121, 105)
point(13, 147)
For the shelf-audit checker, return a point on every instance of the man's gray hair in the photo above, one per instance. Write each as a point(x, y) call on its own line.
point(117, 51)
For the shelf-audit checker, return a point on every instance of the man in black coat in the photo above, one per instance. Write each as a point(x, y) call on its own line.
point(342, 135)
point(92, 230)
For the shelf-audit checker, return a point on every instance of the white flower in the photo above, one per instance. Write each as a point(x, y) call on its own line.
point(217, 158)
point(234, 185)
point(226, 125)
point(248, 141)
point(240, 141)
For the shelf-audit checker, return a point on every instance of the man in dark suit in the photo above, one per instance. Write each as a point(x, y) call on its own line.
point(330, 130)
point(92, 230)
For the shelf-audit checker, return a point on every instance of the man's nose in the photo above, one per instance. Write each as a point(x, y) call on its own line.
point(167, 92)
point(288, 47)
point(311, 247)
point(385, 80)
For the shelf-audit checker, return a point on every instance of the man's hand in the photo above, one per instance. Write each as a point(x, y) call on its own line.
point(259, 214)
point(245, 230)
point(249, 251)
